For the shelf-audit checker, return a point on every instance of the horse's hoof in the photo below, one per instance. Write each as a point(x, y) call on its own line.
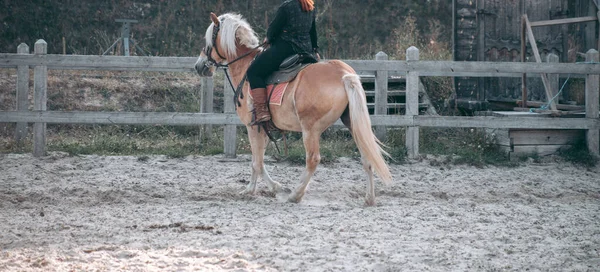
point(276, 187)
point(370, 202)
point(247, 192)
point(293, 198)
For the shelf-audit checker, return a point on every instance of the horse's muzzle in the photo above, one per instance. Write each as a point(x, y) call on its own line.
point(203, 68)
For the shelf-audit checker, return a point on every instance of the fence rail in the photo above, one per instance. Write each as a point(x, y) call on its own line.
point(381, 69)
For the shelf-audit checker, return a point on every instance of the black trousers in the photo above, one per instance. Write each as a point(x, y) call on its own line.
point(268, 62)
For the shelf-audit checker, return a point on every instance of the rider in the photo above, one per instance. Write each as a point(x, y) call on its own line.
point(292, 31)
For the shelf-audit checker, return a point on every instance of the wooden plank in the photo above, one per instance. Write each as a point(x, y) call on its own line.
point(538, 104)
point(381, 89)
point(21, 129)
point(564, 21)
point(486, 122)
point(546, 137)
point(89, 62)
point(474, 68)
point(538, 150)
point(185, 119)
point(121, 118)
point(390, 93)
point(397, 105)
point(186, 64)
point(536, 54)
point(40, 98)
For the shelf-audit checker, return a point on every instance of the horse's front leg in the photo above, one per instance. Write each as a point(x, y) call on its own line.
point(258, 145)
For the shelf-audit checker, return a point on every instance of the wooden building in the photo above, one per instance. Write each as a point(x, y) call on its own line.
point(490, 30)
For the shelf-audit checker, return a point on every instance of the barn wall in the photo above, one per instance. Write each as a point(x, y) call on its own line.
point(489, 30)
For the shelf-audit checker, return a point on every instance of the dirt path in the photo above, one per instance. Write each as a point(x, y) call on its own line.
point(99, 213)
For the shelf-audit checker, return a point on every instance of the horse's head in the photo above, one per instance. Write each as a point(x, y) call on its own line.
point(223, 36)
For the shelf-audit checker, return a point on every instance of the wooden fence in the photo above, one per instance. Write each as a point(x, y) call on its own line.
point(380, 68)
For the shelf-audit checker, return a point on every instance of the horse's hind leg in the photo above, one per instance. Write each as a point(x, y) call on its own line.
point(258, 145)
point(313, 157)
point(370, 196)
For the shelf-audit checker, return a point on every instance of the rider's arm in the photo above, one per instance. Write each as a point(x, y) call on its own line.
point(276, 26)
point(313, 36)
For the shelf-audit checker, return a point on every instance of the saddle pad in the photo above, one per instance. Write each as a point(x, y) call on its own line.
point(276, 94)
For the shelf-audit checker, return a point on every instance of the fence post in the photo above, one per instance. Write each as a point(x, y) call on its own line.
point(412, 103)
point(206, 105)
point(381, 93)
point(22, 94)
point(592, 93)
point(230, 131)
point(553, 78)
point(40, 97)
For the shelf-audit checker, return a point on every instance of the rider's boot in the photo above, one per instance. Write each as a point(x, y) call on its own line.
point(261, 112)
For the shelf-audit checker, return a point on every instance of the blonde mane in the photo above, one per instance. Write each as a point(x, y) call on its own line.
point(233, 28)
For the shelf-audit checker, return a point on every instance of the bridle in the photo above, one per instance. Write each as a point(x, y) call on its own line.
point(238, 94)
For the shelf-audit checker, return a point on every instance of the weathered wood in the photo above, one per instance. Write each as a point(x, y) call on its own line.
point(230, 131)
point(398, 105)
point(381, 89)
point(538, 104)
point(564, 21)
point(121, 118)
point(186, 64)
point(546, 137)
point(536, 54)
point(536, 150)
point(523, 60)
point(89, 62)
point(40, 98)
point(480, 45)
point(206, 105)
point(412, 104)
point(486, 122)
point(592, 93)
point(22, 94)
point(186, 119)
point(553, 78)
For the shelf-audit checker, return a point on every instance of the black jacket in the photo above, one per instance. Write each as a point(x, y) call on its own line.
point(295, 26)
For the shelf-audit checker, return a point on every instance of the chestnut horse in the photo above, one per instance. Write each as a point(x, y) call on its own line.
point(319, 95)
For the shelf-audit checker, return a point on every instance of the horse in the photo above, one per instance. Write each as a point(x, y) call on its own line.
point(314, 100)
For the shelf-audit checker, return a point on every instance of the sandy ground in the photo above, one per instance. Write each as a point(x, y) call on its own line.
point(98, 213)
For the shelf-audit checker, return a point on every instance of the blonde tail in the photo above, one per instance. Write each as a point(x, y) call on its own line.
point(368, 144)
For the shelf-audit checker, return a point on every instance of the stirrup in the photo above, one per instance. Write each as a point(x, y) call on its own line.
point(265, 119)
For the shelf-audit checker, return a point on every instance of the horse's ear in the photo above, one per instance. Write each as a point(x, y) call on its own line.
point(214, 18)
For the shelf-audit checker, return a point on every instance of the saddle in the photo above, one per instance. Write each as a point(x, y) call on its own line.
point(290, 67)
